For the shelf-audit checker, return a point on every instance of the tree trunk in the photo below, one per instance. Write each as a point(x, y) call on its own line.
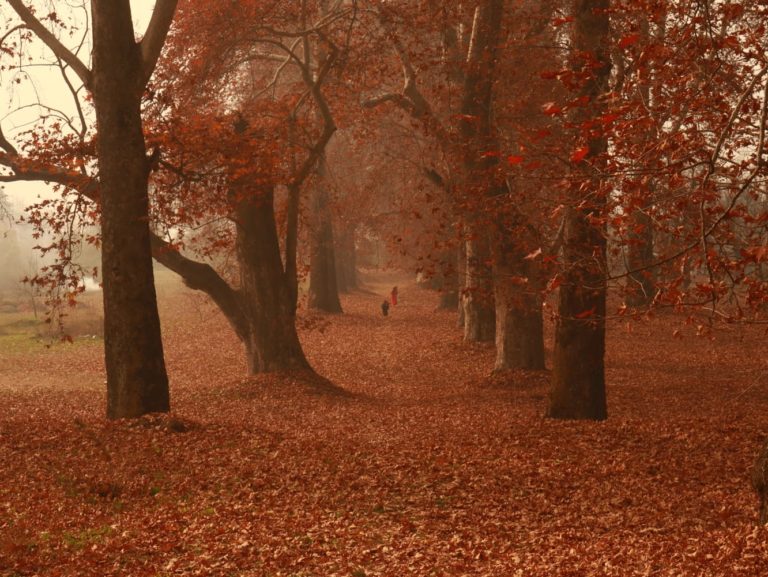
point(519, 331)
point(137, 382)
point(268, 324)
point(449, 289)
point(479, 311)
point(323, 292)
point(262, 310)
point(578, 375)
point(346, 263)
point(479, 174)
point(519, 312)
point(578, 369)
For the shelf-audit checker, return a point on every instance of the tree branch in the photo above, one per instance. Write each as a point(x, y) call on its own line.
point(200, 276)
point(51, 41)
point(196, 275)
point(154, 37)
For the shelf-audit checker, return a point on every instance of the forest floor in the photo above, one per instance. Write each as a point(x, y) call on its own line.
point(426, 466)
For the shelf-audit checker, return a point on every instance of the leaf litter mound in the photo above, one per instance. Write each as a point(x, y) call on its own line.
point(406, 459)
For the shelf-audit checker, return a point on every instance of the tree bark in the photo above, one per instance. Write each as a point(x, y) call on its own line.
point(346, 263)
point(267, 311)
point(323, 292)
point(449, 283)
point(479, 310)
point(261, 311)
point(479, 181)
point(519, 312)
point(137, 382)
point(578, 375)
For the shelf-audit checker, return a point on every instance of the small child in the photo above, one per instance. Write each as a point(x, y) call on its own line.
point(385, 307)
point(394, 296)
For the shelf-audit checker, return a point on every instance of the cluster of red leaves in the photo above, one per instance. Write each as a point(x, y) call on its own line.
point(422, 466)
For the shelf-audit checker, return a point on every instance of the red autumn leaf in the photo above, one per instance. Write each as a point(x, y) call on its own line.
point(629, 40)
point(514, 159)
point(551, 109)
point(580, 154)
point(586, 314)
point(561, 21)
point(609, 117)
point(755, 253)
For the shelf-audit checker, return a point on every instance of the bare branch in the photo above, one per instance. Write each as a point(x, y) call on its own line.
point(76, 100)
point(11, 31)
point(154, 37)
point(411, 100)
point(61, 51)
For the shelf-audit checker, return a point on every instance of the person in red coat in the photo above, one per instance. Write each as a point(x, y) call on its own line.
point(394, 296)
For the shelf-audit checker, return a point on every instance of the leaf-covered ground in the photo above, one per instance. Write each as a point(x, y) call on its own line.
point(424, 467)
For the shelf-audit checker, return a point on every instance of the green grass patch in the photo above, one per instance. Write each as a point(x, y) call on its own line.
point(86, 537)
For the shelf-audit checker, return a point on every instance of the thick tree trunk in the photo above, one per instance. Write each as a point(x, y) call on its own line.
point(262, 310)
point(578, 369)
point(519, 312)
point(323, 291)
point(519, 332)
point(267, 318)
point(578, 375)
point(137, 382)
point(479, 175)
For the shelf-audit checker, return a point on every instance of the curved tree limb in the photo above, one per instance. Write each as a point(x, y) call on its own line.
point(61, 51)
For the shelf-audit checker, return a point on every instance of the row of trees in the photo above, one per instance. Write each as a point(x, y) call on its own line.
point(537, 146)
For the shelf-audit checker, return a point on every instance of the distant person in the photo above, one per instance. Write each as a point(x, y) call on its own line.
point(394, 296)
point(385, 307)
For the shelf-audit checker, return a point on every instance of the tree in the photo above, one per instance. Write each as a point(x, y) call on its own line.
point(501, 291)
point(206, 168)
point(259, 91)
point(323, 287)
point(137, 382)
point(524, 240)
point(479, 177)
point(578, 371)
